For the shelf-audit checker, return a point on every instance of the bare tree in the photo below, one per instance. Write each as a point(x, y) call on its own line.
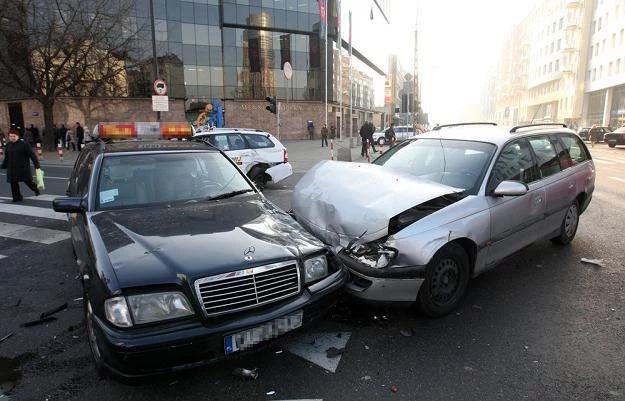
point(58, 48)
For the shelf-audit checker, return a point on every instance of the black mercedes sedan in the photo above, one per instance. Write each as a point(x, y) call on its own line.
point(182, 260)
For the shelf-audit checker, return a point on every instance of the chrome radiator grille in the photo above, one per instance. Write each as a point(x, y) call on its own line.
point(244, 289)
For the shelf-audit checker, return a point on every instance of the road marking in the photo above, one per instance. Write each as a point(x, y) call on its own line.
point(600, 161)
point(45, 197)
point(2, 256)
point(32, 234)
point(46, 177)
point(31, 211)
point(613, 200)
point(617, 179)
point(314, 347)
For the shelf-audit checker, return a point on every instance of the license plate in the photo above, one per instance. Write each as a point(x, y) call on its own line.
point(247, 339)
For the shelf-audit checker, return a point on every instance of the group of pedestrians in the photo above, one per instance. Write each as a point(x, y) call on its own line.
point(68, 138)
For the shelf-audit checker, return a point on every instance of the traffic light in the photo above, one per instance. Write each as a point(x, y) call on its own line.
point(273, 104)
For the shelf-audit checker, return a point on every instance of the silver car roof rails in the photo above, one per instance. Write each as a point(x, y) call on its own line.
point(438, 127)
point(518, 127)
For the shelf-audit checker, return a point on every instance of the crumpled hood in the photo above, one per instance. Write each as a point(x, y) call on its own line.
point(338, 201)
point(159, 246)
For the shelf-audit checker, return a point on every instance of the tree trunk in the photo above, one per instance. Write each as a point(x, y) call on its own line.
point(49, 142)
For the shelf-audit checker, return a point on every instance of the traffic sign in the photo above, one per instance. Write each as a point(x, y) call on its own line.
point(160, 87)
point(288, 70)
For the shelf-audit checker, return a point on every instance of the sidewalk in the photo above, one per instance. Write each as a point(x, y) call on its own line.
point(303, 154)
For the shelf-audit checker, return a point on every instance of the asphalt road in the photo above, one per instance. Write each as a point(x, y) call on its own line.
point(540, 326)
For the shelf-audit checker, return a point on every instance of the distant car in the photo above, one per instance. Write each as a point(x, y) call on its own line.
point(583, 133)
point(258, 153)
point(445, 206)
point(182, 261)
point(616, 137)
point(402, 132)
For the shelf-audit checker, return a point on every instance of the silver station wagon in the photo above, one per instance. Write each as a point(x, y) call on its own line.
point(445, 206)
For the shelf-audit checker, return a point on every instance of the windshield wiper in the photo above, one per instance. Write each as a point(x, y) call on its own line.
point(229, 194)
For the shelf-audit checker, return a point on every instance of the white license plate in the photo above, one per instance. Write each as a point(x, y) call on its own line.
point(249, 338)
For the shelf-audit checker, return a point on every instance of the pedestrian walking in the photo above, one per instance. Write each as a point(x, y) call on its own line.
point(370, 129)
point(363, 137)
point(63, 134)
point(29, 137)
point(593, 135)
point(36, 136)
point(324, 135)
point(80, 135)
point(69, 140)
point(332, 131)
point(17, 163)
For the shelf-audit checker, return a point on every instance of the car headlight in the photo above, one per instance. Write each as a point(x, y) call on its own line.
point(315, 268)
point(146, 308)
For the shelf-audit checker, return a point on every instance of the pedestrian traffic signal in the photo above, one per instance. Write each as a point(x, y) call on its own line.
point(273, 104)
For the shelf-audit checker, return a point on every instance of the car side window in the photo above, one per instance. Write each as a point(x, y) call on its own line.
point(576, 148)
point(219, 141)
point(84, 174)
point(562, 152)
point(236, 142)
point(546, 157)
point(515, 163)
point(258, 141)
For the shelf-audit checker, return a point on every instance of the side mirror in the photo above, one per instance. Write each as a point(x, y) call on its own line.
point(510, 188)
point(69, 205)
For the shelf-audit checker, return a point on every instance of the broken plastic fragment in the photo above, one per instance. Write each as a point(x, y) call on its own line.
point(596, 262)
point(270, 392)
point(333, 352)
point(250, 374)
point(407, 332)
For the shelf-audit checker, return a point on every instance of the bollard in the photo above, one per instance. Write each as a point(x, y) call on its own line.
point(1, 150)
point(39, 153)
point(368, 151)
point(381, 147)
point(60, 150)
point(331, 149)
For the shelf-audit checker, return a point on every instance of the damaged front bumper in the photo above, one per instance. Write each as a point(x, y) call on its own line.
point(392, 283)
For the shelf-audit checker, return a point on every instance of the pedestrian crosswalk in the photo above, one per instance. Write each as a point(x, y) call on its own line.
point(33, 221)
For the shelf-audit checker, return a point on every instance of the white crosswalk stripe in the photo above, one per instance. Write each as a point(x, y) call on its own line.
point(31, 211)
point(617, 179)
point(32, 234)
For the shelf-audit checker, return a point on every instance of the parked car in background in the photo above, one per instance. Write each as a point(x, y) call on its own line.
point(445, 206)
point(258, 153)
point(402, 132)
point(181, 259)
point(616, 137)
point(583, 133)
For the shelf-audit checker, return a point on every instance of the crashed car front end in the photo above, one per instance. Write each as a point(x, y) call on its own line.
point(374, 230)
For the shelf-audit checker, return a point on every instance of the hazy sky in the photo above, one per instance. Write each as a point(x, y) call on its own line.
point(459, 41)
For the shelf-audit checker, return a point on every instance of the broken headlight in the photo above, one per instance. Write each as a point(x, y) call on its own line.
point(315, 268)
point(374, 254)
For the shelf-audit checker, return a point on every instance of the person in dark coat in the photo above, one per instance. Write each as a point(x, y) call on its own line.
point(324, 135)
point(17, 157)
point(80, 136)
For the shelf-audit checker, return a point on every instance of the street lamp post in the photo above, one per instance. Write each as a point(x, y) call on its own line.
point(155, 61)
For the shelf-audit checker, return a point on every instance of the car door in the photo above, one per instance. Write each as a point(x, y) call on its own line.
point(558, 181)
point(515, 220)
point(79, 187)
point(234, 145)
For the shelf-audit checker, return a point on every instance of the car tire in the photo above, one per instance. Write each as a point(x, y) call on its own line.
point(611, 144)
point(568, 228)
point(92, 338)
point(446, 281)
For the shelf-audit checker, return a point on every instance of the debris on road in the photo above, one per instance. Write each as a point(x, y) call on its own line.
point(248, 374)
point(409, 332)
point(366, 378)
point(39, 321)
point(53, 311)
point(272, 392)
point(333, 352)
point(596, 262)
point(394, 389)
point(6, 337)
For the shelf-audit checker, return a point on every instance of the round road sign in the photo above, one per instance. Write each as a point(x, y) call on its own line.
point(160, 87)
point(288, 70)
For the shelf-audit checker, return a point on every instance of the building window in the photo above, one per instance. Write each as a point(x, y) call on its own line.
point(622, 35)
point(618, 66)
point(561, 22)
point(594, 74)
point(597, 49)
point(557, 67)
point(610, 69)
point(559, 43)
point(550, 67)
point(599, 24)
point(600, 72)
point(591, 49)
point(613, 40)
point(551, 47)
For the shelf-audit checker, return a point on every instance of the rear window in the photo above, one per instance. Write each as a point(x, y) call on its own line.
point(576, 148)
point(258, 141)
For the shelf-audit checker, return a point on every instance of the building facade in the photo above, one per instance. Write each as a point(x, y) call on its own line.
point(235, 51)
point(604, 98)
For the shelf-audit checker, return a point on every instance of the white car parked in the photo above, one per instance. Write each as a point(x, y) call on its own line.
point(258, 153)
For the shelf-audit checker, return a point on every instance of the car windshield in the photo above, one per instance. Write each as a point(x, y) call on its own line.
point(459, 164)
point(137, 180)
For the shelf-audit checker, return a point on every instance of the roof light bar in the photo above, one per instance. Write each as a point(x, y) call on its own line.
point(143, 130)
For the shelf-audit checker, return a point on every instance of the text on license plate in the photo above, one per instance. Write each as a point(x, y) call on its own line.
point(237, 159)
point(249, 338)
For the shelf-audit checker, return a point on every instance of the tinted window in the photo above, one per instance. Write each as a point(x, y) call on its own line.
point(515, 163)
point(576, 148)
point(546, 157)
point(257, 141)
